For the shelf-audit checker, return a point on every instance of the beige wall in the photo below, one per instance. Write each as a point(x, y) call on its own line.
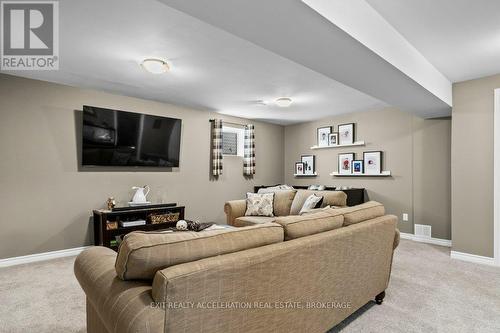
point(472, 165)
point(416, 151)
point(431, 174)
point(46, 201)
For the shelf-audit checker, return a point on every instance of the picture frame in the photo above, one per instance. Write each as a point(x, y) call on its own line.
point(299, 168)
point(346, 134)
point(345, 163)
point(323, 135)
point(357, 167)
point(372, 162)
point(309, 164)
point(333, 139)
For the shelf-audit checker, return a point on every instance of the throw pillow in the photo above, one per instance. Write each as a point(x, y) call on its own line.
point(260, 204)
point(315, 210)
point(312, 201)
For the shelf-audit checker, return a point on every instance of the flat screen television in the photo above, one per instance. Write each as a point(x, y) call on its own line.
point(121, 138)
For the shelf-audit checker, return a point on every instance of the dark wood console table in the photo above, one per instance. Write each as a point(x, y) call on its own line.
point(107, 222)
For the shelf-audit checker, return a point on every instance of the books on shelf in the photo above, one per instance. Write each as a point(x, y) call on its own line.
point(125, 224)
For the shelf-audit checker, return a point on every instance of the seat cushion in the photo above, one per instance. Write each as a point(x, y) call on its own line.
point(282, 200)
point(245, 221)
point(355, 214)
point(330, 198)
point(296, 226)
point(142, 254)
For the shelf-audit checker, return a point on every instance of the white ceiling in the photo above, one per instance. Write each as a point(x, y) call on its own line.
point(232, 54)
point(297, 32)
point(461, 38)
point(102, 43)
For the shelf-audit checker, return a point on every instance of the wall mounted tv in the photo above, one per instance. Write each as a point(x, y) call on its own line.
point(120, 138)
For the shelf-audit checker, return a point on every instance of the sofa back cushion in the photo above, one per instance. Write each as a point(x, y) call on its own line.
point(142, 254)
point(355, 214)
point(330, 198)
point(282, 200)
point(297, 226)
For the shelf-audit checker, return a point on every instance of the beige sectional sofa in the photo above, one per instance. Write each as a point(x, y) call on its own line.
point(286, 202)
point(300, 274)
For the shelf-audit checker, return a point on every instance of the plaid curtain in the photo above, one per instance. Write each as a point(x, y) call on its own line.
point(249, 153)
point(216, 147)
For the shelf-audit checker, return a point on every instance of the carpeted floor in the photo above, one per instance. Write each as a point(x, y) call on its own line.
point(428, 292)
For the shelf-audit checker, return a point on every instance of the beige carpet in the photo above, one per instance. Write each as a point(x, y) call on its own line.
point(428, 292)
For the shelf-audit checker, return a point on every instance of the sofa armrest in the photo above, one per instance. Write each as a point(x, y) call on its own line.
point(94, 264)
point(235, 209)
point(116, 302)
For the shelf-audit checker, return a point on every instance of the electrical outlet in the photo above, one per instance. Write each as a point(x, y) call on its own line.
point(405, 217)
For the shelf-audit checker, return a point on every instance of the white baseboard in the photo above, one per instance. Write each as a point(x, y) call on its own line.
point(435, 241)
point(473, 258)
point(41, 256)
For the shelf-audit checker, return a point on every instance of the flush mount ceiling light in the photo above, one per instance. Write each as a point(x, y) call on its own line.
point(283, 102)
point(155, 66)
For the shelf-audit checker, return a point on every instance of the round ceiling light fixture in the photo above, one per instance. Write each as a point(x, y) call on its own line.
point(283, 102)
point(155, 66)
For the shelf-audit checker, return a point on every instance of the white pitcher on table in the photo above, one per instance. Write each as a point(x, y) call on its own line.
point(140, 194)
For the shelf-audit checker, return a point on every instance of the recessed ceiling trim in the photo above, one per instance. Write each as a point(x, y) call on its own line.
point(358, 19)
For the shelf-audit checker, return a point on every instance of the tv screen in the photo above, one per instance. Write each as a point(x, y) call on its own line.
point(120, 138)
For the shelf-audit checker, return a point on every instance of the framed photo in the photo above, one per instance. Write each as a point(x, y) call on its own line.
point(346, 134)
point(345, 163)
point(333, 139)
point(323, 135)
point(373, 162)
point(308, 161)
point(299, 168)
point(357, 167)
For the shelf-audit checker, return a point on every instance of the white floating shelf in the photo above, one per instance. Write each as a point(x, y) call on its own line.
point(301, 175)
point(357, 143)
point(383, 174)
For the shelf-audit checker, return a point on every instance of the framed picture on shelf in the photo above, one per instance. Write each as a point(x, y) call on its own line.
point(299, 168)
point(346, 134)
point(333, 139)
point(345, 163)
point(357, 167)
point(323, 135)
point(308, 161)
point(373, 162)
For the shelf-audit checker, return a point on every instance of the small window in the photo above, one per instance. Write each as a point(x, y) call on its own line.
point(233, 140)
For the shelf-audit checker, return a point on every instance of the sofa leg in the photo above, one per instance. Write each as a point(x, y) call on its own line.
point(380, 298)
